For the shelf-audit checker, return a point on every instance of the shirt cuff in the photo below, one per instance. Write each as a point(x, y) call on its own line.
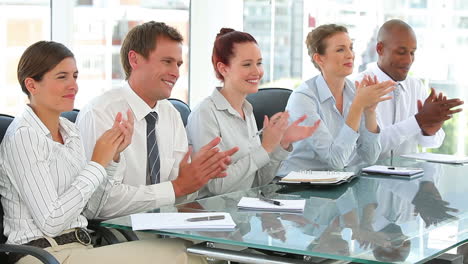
point(347, 135)
point(164, 194)
point(279, 154)
point(111, 168)
point(370, 135)
point(260, 156)
point(97, 170)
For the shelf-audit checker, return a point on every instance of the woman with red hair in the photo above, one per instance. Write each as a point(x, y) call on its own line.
point(237, 62)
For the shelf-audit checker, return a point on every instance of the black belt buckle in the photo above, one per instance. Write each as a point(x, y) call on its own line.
point(82, 236)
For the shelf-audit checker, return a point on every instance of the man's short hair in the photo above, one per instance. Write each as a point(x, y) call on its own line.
point(142, 40)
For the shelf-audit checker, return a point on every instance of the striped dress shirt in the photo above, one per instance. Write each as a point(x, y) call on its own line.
point(47, 187)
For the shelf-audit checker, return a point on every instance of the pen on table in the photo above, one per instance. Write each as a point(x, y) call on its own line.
point(263, 198)
point(391, 168)
point(205, 218)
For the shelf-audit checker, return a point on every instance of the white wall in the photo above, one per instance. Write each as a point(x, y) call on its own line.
point(203, 29)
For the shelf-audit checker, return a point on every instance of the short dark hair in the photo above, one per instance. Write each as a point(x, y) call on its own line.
point(142, 40)
point(223, 48)
point(38, 59)
point(315, 40)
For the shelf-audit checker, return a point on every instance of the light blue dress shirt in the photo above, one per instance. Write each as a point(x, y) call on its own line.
point(334, 145)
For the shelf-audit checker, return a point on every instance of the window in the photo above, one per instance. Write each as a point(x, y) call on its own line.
point(21, 24)
point(97, 38)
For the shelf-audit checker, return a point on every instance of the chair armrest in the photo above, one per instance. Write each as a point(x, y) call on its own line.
point(103, 232)
point(128, 234)
point(39, 253)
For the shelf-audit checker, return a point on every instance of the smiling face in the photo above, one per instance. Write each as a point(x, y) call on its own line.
point(57, 89)
point(396, 53)
point(153, 78)
point(338, 59)
point(245, 69)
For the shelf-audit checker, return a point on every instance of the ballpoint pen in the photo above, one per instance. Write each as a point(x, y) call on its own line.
point(205, 218)
point(261, 130)
point(268, 200)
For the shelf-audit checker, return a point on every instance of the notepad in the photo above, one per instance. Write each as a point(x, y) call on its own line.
point(251, 203)
point(442, 158)
point(323, 177)
point(394, 171)
point(178, 221)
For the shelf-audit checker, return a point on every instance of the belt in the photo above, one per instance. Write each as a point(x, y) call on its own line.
point(79, 235)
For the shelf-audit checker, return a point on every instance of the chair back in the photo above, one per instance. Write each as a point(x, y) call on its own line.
point(268, 101)
point(71, 115)
point(182, 107)
point(5, 121)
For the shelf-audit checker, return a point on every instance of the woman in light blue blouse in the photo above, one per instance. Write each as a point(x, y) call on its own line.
point(349, 132)
point(237, 61)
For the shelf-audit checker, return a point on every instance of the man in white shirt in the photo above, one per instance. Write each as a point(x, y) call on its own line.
point(411, 117)
point(151, 55)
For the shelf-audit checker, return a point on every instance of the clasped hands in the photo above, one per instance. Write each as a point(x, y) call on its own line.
point(276, 131)
point(435, 111)
point(114, 140)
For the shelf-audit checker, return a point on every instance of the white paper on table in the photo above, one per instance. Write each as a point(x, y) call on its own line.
point(317, 176)
point(443, 158)
point(252, 203)
point(178, 221)
point(393, 170)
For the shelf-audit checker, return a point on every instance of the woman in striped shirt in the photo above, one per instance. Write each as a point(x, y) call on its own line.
point(47, 186)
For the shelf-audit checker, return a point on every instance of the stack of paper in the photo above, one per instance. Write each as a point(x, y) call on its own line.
point(180, 221)
point(394, 171)
point(443, 158)
point(250, 203)
point(322, 177)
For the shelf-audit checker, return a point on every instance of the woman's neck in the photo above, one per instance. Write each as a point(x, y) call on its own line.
point(50, 119)
point(235, 98)
point(335, 84)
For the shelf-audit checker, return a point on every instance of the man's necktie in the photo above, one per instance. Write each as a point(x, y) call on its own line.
point(153, 164)
point(396, 98)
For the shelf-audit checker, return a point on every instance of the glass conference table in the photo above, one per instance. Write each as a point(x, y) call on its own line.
point(369, 220)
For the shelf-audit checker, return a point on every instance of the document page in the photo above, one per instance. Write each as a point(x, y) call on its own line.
point(317, 176)
point(251, 203)
point(181, 221)
point(435, 157)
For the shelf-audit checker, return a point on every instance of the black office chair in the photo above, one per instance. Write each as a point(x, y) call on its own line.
point(5, 121)
point(71, 115)
point(182, 107)
point(268, 101)
point(39, 253)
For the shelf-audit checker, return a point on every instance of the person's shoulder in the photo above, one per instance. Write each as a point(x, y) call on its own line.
point(22, 127)
point(206, 105)
point(306, 86)
point(106, 101)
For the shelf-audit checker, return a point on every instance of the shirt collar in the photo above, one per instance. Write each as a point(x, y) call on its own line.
point(382, 76)
point(139, 107)
point(34, 121)
point(324, 92)
point(67, 128)
point(221, 103)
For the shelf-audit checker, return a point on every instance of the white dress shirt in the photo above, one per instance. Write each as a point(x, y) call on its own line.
point(334, 145)
point(130, 194)
point(251, 165)
point(404, 134)
point(45, 186)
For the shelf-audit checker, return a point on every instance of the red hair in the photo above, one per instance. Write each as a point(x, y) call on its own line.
point(223, 48)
